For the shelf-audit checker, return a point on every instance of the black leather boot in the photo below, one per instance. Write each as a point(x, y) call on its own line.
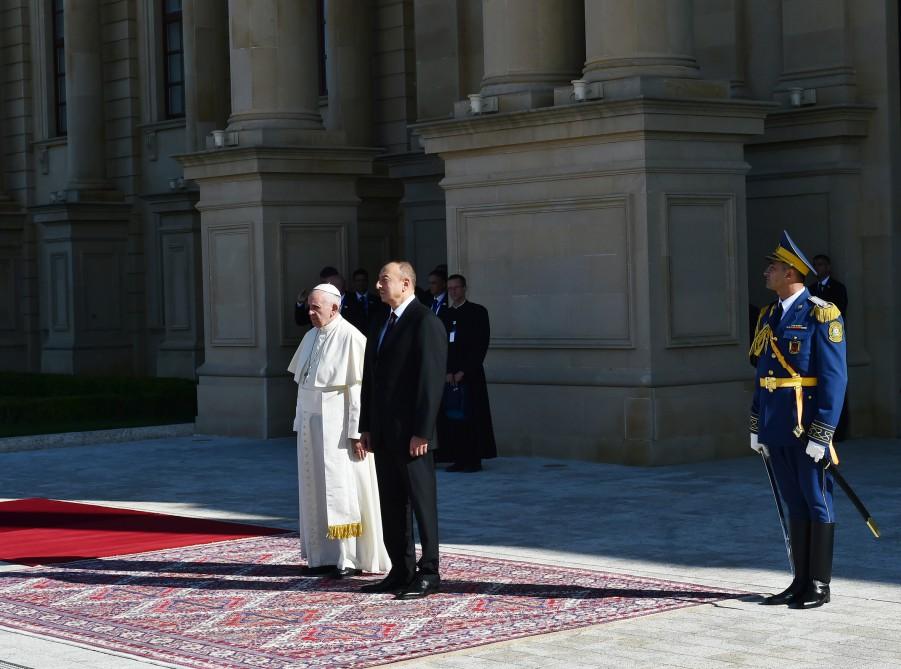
point(816, 592)
point(799, 535)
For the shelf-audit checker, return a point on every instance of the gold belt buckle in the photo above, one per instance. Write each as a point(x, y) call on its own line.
point(769, 382)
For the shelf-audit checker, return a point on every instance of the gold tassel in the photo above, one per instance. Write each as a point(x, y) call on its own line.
point(348, 531)
point(760, 340)
point(826, 312)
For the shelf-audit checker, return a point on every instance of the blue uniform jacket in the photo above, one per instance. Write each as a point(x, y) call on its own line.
point(811, 338)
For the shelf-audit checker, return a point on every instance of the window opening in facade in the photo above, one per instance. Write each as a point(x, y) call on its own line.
point(173, 59)
point(59, 70)
point(321, 9)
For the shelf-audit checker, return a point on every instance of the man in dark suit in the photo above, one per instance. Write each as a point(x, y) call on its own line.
point(832, 290)
point(827, 287)
point(403, 379)
point(436, 299)
point(362, 306)
point(467, 436)
point(330, 275)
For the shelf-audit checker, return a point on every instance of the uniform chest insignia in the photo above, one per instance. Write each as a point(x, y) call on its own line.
point(796, 326)
point(836, 332)
point(794, 346)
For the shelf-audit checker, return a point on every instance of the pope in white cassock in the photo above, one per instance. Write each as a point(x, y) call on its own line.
point(340, 522)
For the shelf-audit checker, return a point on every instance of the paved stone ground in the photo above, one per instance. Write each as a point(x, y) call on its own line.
point(709, 523)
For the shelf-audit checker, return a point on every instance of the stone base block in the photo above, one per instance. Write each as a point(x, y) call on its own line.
point(105, 361)
point(630, 426)
point(257, 407)
point(178, 364)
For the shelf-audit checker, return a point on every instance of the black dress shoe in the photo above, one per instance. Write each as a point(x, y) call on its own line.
point(323, 570)
point(419, 588)
point(816, 594)
point(787, 596)
point(347, 572)
point(388, 584)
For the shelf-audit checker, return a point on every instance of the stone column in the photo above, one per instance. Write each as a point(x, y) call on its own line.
point(816, 53)
point(83, 234)
point(274, 71)
point(628, 190)
point(205, 30)
point(628, 42)
point(763, 47)
point(84, 100)
point(13, 343)
point(530, 47)
point(349, 69)
point(277, 203)
point(719, 42)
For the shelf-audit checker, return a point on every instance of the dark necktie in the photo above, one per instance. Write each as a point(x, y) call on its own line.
point(435, 306)
point(392, 319)
point(365, 303)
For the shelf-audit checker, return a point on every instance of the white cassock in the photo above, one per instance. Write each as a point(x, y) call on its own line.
point(340, 521)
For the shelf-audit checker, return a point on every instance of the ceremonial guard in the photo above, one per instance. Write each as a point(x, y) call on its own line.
point(802, 372)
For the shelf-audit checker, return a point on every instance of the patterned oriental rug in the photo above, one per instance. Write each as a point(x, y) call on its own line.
point(241, 604)
point(48, 531)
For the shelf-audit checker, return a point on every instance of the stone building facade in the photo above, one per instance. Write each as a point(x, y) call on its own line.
point(607, 173)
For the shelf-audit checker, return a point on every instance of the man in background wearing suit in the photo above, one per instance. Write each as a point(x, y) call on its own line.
point(327, 274)
point(468, 438)
point(403, 380)
point(437, 291)
point(830, 289)
point(362, 306)
point(827, 287)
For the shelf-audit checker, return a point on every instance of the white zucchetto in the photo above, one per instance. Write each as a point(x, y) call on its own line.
point(328, 288)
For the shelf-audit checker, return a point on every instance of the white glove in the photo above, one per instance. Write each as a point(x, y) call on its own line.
point(815, 451)
point(758, 447)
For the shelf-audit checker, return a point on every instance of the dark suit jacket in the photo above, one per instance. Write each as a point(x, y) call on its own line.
point(428, 300)
point(472, 333)
point(302, 315)
point(361, 315)
point(834, 291)
point(404, 381)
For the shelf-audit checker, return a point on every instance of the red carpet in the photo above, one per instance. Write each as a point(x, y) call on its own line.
point(243, 605)
point(47, 531)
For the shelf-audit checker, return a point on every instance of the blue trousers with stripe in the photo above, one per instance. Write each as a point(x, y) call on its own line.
point(805, 485)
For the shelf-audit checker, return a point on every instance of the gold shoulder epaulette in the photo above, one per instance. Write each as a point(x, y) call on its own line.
point(824, 311)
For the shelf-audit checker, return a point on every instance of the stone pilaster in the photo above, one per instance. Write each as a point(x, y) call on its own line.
point(83, 255)
point(610, 253)
point(13, 341)
point(271, 217)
